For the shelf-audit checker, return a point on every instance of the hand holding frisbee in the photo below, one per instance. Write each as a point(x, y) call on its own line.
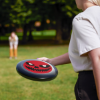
point(44, 59)
point(36, 70)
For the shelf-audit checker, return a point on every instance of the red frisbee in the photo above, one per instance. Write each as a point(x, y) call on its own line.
point(36, 70)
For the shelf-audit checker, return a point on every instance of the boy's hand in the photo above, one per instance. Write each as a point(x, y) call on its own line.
point(44, 59)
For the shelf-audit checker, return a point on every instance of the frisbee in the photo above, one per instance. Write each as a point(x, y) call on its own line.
point(36, 70)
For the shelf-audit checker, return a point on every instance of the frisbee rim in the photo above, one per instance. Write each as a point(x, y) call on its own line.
point(36, 76)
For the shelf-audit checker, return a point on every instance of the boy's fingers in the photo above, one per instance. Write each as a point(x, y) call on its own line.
point(43, 58)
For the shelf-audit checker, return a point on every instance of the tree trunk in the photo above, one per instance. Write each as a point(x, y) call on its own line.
point(58, 30)
point(24, 39)
point(3, 32)
point(66, 28)
point(58, 24)
point(30, 38)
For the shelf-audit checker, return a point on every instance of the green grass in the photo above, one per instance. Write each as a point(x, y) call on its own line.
point(15, 87)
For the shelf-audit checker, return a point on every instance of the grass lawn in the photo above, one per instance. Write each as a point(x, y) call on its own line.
point(15, 87)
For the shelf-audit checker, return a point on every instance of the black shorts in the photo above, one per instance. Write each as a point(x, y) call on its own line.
point(85, 88)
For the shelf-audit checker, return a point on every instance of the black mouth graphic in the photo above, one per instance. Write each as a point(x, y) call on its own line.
point(38, 70)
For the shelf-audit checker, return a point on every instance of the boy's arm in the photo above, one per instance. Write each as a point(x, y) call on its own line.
point(62, 59)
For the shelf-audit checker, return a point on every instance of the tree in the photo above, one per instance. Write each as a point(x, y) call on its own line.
point(64, 11)
point(25, 12)
point(5, 10)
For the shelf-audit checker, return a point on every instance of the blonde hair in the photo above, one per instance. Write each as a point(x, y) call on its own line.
point(97, 2)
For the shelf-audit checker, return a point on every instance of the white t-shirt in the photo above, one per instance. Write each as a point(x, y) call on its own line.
point(13, 41)
point(85, 37)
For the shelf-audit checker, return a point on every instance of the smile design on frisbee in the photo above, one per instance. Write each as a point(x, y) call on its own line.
point(36, 70)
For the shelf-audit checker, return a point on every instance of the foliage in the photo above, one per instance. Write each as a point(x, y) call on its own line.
point(25, 11)
point(5, 10)
point(68, 7)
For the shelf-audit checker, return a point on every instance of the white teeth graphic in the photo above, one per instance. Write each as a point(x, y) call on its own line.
point(30, 64)
point(44, 65)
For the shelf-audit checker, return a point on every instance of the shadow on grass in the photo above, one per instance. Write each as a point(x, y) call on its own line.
point(4, 57)
point(36, 43)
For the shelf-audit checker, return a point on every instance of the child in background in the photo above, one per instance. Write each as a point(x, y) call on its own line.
point(13, 43)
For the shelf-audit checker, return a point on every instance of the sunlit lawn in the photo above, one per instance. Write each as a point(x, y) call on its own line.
point(15, 87)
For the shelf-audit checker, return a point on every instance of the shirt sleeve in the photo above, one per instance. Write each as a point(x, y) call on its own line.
point(86, 37)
